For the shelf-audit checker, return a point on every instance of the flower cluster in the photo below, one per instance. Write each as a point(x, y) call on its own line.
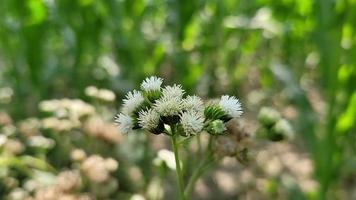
point(100, 94)
point(155, 108)
point(97, 168)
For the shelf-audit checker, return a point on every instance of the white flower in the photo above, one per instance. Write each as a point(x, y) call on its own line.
point(167, 157)
point(193, 103)
point(148, 119)
point(192, 122)
point(91, 91)
point(106, 95)
point(125, 123)
point(152, 83)
point(133, 100)
point(174, 91)
point(168, 106)
point(231, 106)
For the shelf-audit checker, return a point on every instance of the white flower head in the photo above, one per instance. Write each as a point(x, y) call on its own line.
point(192, 122)
point(193, 103)
point(167, 157)
point(168, 106)
point(148, 119)
point(174, 91)
point(152, 83)
point(231, 106)
point(133, 100)
point(125, 122)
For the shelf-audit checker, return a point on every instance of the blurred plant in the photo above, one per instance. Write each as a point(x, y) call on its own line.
point(273, 126)
point(166, 111)
point(40, 158)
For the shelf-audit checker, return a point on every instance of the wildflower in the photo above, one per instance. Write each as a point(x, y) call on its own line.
point(14, 146)
point(168, 106)
point(193, 103)
point(71, 108)
point(137, 197)
point(231, 106)
point(29, 127)
point(125, 122)
point(50, 192)
point(149, 119)
point(78, 155)
point(216, 127)
point(101, 94)
point(192, 122)
point(106, 95)
point(133, 100)
point(3, 140)
point(68, 180)
point(95, 169)
point(174, 91)
point(167, 157)
point(151, 84)
point(77, 108)
point(38, 141)
point(91, 91)
point(18, 194)
point(59, 125)
point(98, 128)
point(111, 164)
point(5, 119)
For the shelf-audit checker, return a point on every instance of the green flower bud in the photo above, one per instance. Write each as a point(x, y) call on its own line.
point(216, 127)
point(268, 116)
point(282, 130)
point(214, 112)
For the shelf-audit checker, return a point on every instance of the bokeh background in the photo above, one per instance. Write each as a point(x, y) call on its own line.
point(297, 56)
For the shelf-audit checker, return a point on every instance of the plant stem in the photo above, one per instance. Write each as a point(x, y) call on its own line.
point(199, 145)
point(203, 166)
point(178, 169)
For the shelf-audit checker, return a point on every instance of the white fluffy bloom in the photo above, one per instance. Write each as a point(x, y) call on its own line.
point(125, 123)
point(152, 83)
point(167, 157)
point(174, 91)
point(148, 119)
point(192, 122)
point(231, 105)
point(193, 103)
point(168, 106)
point(133, 100)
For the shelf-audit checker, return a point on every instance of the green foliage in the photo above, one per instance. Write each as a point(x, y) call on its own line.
point(297, 53)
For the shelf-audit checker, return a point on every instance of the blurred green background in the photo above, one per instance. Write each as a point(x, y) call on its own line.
point(296, 55)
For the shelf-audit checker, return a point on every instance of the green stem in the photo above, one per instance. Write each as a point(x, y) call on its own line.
point(203, 166)
point(199, 145)
point(197, 174)
point(178, 169)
